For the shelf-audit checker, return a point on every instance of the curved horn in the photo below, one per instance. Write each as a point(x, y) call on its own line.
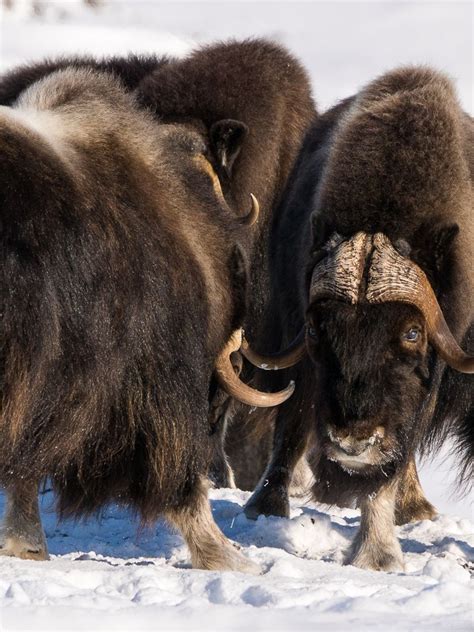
point(285, 359)
point(339, 274)
point(252, 216)
point(236, 388)
point(396, 278)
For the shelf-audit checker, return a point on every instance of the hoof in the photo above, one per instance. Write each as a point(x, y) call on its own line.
point(266, 501)
point(227, 558)
point(390, 561)
point(16, 547)
point(238, 562)
point(413, 512)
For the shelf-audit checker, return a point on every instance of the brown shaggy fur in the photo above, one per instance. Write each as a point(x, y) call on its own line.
point(112, 408)
point(255, 82)
point(117, 257)
point(398, 159)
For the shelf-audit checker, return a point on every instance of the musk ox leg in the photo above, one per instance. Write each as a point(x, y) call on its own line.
point(210, 549)
point(302, 479)
point(220, 472)
point(21, 533)
point(270, 497)
point(220, 411)
point(376, 546)
point(411, 503)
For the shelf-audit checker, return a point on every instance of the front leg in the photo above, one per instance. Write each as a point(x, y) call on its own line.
point(271, 497)
point(412, 504)
point(376, 546)
point(21, 533)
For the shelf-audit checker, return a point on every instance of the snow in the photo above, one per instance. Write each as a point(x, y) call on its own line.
point(105, 574)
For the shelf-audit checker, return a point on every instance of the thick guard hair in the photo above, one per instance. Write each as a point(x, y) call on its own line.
point(398, 157)
point(104, 424)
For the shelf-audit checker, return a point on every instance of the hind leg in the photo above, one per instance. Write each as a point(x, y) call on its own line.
point(210, 549)
point(220, 472)
point(302, 480)
point(411, 503)
point(220, 412)
point(21, 533)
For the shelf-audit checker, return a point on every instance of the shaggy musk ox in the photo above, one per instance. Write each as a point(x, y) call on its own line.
point(252, 101)
point(123, 283)
point(372, 258)
point(264, 95)
point(163, 289)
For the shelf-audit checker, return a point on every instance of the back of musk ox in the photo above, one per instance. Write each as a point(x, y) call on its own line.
point(126, 286)
point(123, 284)
point(252, 102)
point(372, 262)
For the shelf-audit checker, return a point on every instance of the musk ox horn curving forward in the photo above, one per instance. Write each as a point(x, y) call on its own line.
point(122, 284)
point(383, 297)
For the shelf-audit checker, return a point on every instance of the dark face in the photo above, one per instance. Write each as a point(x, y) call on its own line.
point(372, 369)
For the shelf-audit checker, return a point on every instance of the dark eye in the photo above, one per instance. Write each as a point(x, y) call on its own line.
point(412, 335)
point(312, 333)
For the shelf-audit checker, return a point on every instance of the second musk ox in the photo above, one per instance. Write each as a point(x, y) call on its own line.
point(122, 284)
point(125, 282)
point(373, 263)
point(251, 101)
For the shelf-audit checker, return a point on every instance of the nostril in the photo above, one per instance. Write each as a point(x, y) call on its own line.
point(353, 447)
point(351, 450)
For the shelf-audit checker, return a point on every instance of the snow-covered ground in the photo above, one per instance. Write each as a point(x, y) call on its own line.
point(105, 575)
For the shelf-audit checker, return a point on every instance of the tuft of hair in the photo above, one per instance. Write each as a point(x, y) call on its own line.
point(397, 156)
point(130, 70)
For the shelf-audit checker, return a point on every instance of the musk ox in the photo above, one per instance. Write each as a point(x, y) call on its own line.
point(372, 259)
point(263, 87)
point(239, 127)
point(123, 283)
point(252, 101)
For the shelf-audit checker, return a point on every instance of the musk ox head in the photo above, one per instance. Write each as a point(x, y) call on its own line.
point(372, 318)
point(369, 338)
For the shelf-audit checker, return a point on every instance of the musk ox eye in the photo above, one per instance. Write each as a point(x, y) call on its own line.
point(412, 335)
point(312, 333)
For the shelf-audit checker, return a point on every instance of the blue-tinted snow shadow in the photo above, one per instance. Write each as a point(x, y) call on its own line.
point(116, 532)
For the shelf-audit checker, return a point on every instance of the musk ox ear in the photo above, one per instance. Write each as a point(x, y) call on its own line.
point(443, 242)
point(434, 248)
point(226, 138)
point(320, 234)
